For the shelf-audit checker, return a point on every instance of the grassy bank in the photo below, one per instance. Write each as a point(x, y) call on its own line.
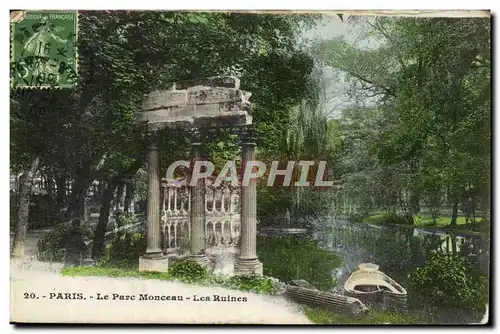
point(425, 221)
point(374, 316)
point(114, 272)
point(189, 273)
point(419, 220)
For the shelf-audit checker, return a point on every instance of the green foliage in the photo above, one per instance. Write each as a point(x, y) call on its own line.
point(272, 201)
point(50, 247)
point(127, 219)
point(430, 185)
point(418, 220)
point(140, 182)
point(446, 281)
point(306, 133)
point(392, 218)
point(100, 270)
point(223, 147)
point(374, 316)
point(433, 94)
point(125, 249)
point(298, 201)
point(188, 270)
point(90, 132)
point(356, 218)
point(424, 220)
point(257, 284)
point(367, 183)
point(312, 202)
point(291, 257)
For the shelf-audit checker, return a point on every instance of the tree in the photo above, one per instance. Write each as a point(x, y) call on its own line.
point(427, 71)
point(89, 133)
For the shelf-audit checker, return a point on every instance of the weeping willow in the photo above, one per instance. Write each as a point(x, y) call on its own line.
point(307, 139)
point(307, 132)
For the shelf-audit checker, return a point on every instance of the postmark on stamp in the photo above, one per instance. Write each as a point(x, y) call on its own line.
point(43, 49)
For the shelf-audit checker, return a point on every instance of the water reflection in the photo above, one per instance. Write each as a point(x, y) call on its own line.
point(397, 250)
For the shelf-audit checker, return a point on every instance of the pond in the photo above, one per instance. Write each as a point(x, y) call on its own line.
point(289, 257)
point(334, 248)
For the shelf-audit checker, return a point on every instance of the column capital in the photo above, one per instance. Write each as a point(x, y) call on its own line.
point(152, 140)
point(248, 136)
point(195, 134)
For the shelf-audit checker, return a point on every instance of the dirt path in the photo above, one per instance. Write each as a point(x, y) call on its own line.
point(35, 292)
point(38, 294)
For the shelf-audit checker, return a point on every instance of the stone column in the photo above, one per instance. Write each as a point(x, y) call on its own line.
point(153, 259)
point(197, 212)
point(247, 261)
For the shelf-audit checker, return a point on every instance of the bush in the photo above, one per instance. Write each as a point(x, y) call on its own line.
point(257, 284)
point(127, 219)
point(399, 219)
point(125, 249)
point(49, 246)
point(418, 220)
point(188, 270)
point(446, 280)
point(272, 201)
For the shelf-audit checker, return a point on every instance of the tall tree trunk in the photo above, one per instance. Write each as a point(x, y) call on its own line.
point(77, 197)
point(453, 243)
point(107, 198)
point(414, 202)
point(129, 195)
point(61, 192)
point(119, 196)
point(84, 179)
point(26, 183)
point(454, 213)
point(100, 231)
point(50, 187)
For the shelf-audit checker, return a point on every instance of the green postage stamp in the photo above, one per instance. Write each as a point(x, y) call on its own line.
point(43, 49)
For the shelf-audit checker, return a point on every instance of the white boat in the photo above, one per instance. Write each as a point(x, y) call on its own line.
point(371, 285)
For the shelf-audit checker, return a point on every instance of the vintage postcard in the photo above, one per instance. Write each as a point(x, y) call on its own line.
point(246, 167)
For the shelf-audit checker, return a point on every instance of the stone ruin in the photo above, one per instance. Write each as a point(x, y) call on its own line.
point(188, 222)
point(210, 102)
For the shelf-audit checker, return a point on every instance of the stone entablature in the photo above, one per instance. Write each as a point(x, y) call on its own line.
point(198, 104)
